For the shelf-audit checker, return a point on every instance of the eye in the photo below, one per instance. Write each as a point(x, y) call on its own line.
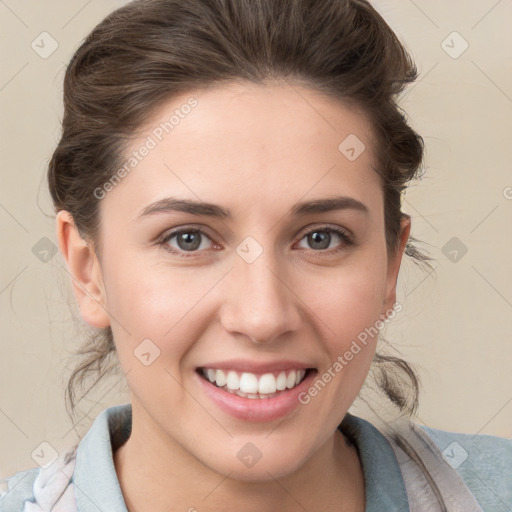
point(320, 238)
point(193, 240)
point(185, 240)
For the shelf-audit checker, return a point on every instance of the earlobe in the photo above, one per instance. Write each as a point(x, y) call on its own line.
point(85, 271)
point(394, 265)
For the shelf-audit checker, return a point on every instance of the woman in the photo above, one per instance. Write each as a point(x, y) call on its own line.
point(227, 189)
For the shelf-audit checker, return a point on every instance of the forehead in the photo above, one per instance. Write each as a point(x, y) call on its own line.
point(251, 145)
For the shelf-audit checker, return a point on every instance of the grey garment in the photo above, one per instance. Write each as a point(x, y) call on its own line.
point(470, 473)
point(431, 482)
point(85, 480)
point(384, 486)
point(484, 462)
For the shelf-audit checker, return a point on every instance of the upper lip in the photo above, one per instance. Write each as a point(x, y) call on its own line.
point(245, 365)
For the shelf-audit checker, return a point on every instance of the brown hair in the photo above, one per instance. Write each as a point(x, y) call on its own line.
point(150, 50)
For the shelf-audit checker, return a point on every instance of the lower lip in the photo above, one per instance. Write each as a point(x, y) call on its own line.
point(256, 409)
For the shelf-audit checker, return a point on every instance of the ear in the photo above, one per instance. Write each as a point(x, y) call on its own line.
point(394, 265)
point(84, 267)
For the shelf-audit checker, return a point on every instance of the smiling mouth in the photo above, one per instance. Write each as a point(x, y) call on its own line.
point(251, 385)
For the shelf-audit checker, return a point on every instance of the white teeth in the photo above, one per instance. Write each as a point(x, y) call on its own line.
point(233, 380)
point(281, 381)
point(253, 386)
point(290, 380)
point(220, 378)
point(248, 383)
point(267, 384)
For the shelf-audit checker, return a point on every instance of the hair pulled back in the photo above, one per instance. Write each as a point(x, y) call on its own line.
point(148, 51)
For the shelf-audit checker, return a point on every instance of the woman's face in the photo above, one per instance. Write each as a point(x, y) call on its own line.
point(266, 279)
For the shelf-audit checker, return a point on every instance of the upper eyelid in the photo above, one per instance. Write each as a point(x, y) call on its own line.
point(325, 227)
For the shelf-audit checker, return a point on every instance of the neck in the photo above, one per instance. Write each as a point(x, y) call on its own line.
point(331, 479)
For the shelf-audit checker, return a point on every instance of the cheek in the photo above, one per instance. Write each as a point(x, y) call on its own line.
point(150, 302)
point(154, 326)
point(149, 294)
point(348, 299)
point(345, 309)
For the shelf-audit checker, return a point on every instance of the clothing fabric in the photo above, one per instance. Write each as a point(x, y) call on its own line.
point(84, 478)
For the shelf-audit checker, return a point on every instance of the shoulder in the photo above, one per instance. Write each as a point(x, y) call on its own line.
point(39, 489)
point(483, 462)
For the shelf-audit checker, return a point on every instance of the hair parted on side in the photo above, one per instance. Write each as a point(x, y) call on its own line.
point(148, 51)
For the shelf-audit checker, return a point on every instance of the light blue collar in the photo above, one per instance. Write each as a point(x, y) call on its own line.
point(97, 488)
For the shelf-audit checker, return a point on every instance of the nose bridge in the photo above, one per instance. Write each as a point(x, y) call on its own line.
point(260, 304)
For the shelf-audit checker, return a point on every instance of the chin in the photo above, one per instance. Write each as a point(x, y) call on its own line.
point(249, 464)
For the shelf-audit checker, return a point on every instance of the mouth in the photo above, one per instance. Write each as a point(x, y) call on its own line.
point(252, 385)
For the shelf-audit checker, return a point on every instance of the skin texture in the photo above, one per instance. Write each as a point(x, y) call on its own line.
point(257, 150)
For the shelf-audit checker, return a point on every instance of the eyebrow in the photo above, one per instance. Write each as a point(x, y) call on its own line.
point(171, 204)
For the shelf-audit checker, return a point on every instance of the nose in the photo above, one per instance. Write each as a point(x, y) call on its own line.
point(259, 303)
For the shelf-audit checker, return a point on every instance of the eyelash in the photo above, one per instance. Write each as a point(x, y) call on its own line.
point(343, 235)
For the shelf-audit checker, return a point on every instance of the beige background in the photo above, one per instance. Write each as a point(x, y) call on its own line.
point(456, 323)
